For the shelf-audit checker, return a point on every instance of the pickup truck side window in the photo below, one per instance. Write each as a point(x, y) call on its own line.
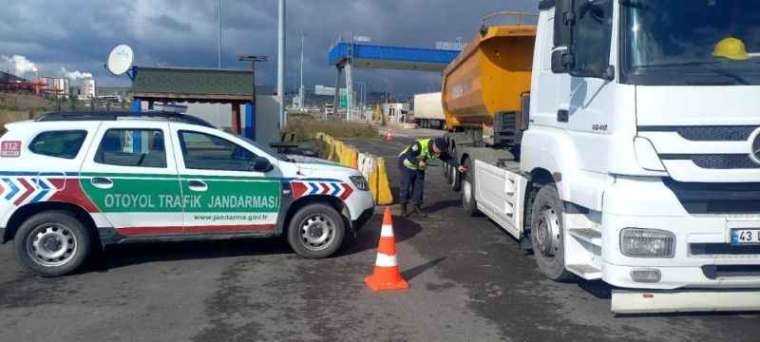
point(132, 147)
point(207, 152)
point(58, 144)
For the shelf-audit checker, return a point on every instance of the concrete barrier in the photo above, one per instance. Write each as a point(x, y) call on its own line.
point(372, 167)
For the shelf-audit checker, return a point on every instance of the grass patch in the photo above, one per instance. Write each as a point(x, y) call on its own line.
point(305, 129)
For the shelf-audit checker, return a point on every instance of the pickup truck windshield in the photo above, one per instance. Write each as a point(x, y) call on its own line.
point(691, 42)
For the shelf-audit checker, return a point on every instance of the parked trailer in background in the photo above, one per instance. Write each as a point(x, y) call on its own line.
point(428, 111)
point(619, 149)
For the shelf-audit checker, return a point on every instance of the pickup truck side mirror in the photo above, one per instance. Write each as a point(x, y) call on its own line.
point(261, 164)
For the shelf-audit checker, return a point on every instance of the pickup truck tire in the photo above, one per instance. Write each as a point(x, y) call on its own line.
point(53, 243)
point(316, 231)
point(548, 234)
point(469, 203)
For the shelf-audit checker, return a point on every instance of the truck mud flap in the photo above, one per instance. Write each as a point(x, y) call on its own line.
point(634, 302)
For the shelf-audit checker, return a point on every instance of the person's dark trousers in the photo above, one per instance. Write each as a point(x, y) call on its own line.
point(412, 185)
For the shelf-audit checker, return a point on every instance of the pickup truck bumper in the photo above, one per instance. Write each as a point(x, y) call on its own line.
point(703, 254)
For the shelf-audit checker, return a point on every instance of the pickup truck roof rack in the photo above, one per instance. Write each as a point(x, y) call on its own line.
point(114, 116)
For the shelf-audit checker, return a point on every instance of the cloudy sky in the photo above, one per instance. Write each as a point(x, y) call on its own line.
point(57, 37)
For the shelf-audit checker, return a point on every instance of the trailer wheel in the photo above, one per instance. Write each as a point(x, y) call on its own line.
point(548, 234)
point(469, 203)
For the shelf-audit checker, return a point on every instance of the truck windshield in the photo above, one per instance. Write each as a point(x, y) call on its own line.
point(691, 42)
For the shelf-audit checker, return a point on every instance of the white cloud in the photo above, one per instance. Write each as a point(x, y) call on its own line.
point(19, 65)
point(75, 75)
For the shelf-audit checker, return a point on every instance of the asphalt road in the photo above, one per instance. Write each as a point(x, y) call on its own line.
point(470, 282)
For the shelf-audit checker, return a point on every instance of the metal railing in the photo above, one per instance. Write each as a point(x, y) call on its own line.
point(520, 17)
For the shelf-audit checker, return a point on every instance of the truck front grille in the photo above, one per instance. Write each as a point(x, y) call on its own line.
point(730, 271)
point(722, 249)
point(706, 133)
point(716, 198)
point(716, 161)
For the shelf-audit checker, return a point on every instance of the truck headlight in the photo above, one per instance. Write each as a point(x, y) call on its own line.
point(360, 183)
point(647, 243)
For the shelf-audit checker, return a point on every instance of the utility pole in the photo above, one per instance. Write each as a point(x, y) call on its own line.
point(219, 42)
point(281, 63)
point(301, 90)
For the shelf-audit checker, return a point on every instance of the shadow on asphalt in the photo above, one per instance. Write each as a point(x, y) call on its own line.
point(417, 270)
point(403, 229)
point(441, 205)
point(118, 256)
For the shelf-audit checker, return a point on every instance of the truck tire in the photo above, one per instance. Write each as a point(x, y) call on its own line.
point(316, 231)
point(548, 234)
point(456, 179)
point(53, 243)
point(469, 203)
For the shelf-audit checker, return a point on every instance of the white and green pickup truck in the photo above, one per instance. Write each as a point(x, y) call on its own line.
point(74, 182)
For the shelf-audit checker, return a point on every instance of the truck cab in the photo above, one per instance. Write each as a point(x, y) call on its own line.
point(643, 112)
point(640, 164)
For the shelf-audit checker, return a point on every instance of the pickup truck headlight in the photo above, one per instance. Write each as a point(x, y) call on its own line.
point(360, 183)
point(647, 243)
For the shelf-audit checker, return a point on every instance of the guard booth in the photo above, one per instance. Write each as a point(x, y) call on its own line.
point(222, 97)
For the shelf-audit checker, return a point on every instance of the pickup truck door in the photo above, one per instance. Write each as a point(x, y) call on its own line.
point(225, 195)
point(131, 178)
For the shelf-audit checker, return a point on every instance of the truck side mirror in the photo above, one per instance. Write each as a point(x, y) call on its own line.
point(564, 20)
point(562, 61)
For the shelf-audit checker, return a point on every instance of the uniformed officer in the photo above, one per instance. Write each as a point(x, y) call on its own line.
point(412, 164)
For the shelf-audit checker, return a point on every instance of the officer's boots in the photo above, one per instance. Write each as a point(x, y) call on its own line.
point(419, 212)
point(404, 210)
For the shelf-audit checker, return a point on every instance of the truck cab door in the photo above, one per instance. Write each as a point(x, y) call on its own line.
point(130, 176)
point(590, 102)
point(550, 91)
point(227, 190)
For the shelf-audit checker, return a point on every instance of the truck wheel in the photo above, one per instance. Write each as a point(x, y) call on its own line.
point(456, 179)
point(53, 243)
point(316, 231)
point(548, 233)
point(469, 203)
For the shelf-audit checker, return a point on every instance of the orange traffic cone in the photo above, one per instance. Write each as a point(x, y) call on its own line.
point(387, 276)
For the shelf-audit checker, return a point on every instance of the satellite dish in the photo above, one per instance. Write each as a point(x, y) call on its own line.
point(120, 59)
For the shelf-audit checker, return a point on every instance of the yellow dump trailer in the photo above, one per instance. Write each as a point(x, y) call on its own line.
point(485, 87)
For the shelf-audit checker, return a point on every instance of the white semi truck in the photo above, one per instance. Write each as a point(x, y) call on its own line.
point(620, 141)
point(428, 111)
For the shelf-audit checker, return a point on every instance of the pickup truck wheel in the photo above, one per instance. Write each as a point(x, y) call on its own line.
point(316, 231)
point(469, 203)
point(548, 234)
point(53, 243)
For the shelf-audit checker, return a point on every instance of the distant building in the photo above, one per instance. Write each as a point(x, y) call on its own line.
point(57, 86)
point(396, 112)
point(83, 88)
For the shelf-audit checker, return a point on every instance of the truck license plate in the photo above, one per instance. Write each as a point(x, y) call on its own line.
point(745, 237)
